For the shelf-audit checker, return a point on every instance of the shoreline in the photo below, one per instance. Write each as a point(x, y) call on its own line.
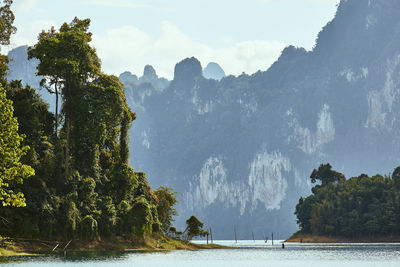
point(305, 238)
point(32, 247)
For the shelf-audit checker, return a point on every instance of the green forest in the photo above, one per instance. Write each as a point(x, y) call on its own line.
point(357, 207)
point(65, 175)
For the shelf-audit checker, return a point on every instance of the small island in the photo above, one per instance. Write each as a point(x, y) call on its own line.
point(356, 210)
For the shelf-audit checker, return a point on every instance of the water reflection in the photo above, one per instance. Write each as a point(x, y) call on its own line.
point(247, 253)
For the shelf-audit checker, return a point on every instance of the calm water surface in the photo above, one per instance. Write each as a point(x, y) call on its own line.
point(250, 253)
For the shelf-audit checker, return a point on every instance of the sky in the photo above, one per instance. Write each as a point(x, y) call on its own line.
point(240, 35)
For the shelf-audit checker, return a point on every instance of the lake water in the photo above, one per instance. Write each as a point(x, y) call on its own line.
point(247, 253)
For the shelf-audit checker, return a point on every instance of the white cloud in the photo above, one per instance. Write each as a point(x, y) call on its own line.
point(27, 34)
point(129, 48)
point(23, 6)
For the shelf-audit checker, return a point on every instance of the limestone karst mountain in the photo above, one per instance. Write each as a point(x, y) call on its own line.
point(213, 71)
point(240, 150)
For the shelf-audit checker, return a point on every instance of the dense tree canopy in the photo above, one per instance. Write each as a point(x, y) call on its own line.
point(83, 187)
point(326, 175)
point(166, 202)
point(194, 227)
point(6, 22)
point(12, 171)
point(359, 206)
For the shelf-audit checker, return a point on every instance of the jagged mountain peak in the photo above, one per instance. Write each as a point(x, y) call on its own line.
point(213, 71)
point(242, 149)
point(188, 69)
point(128, 77)
point(149, 72)
point(359, 28)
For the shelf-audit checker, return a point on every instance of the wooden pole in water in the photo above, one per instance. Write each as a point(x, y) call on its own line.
point(272, 238)
point(65, 248)
point(211, 235)
point(253, 236)
point(56, 246)
point(234, 228)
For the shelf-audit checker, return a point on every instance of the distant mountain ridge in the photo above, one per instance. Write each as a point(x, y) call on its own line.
point(213, 71)
point(20, 68)
point(240, 150)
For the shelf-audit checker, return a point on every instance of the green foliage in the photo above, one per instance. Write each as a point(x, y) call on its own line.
point(141, 217)
point(165, 208)
point(124, 181)
point(326, 175)
point(84, 186)
point(143, 188)
point(66, 58)
point(72, 218)
point(6, 21)
point(194, 228)
point(303, 213)
point(359, 206)
point(12, 171)
point(396, 177)
point(108, 217)
point(88, 228)
point(88, 196)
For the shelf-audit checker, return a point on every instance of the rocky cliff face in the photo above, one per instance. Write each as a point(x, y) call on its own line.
point(240, 150)
point(20, 68)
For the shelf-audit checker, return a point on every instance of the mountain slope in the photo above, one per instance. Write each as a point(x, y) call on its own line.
point(240, 150)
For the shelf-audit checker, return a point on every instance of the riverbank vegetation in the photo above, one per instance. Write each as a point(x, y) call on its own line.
point(359, 208)
point(65, 175)
point(20, 246)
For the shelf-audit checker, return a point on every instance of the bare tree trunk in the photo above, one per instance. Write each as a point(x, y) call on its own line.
point(124, 142)
point(68, 123)
point(56, 90)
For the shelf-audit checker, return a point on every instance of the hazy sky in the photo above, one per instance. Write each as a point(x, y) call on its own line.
point(240, 35)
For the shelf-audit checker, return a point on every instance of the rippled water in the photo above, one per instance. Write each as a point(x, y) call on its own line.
point(247, 253)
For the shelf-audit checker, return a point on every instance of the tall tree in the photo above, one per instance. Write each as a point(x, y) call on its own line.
point(12, 171)
point(166, 202)
point(326, 175)
point(6, 22)
point(101, 193)
point(194, 227)
point(69, 62)
point(6, 29)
